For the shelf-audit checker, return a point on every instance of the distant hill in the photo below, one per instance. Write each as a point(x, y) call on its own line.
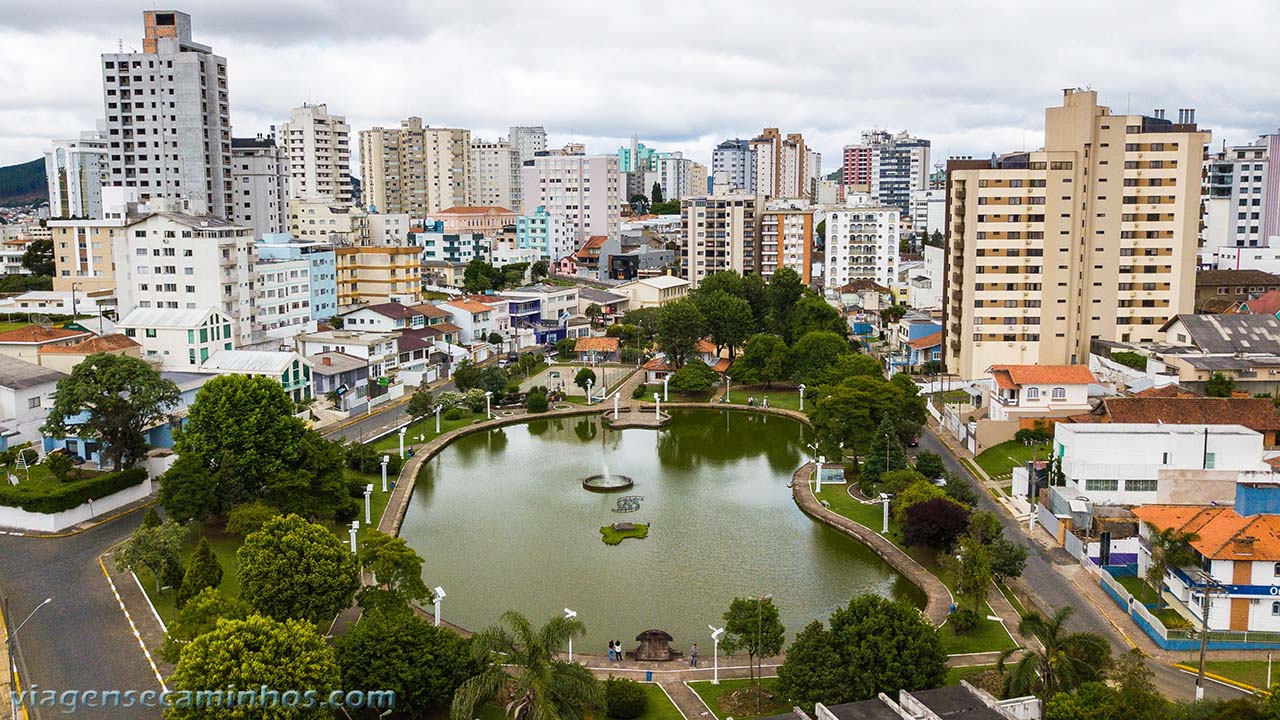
point(22, 184)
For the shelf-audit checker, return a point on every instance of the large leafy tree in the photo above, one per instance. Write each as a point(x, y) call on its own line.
point(421, 663)
point(912, 408)
point(1169, 548)
point(785, 289)
point(113, 399)
point(251, 653)
point(848, 365)
point(935, 523)
point(813, 314)
point(726, 281)
point(157, 548)
point(680, 327)
point(752, 624)
point(396, 568)
point(422, 403)
point(295, 569)
point(763, 360)
point(811, 673)
point(200, 615)
point(814, 353)
point(203, 571)
point(1062, 662)
point(728, 319)
point(38, 258)
point(853, 410)
point(522, 660)
point(695, 377)
point(885, 455)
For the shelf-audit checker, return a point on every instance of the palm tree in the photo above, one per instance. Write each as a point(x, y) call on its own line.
point(1169, 547)
point(521, 660)
point(1065, 661)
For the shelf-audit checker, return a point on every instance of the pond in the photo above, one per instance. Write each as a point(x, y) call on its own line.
point(503, 522)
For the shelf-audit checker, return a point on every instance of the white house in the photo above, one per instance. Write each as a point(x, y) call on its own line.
point(26, 394)
point(653, 292)
point(1030, 391)
point(556, 302)
point(179, 339)
point(379, 350)
point(476, 319)
point(290, 369)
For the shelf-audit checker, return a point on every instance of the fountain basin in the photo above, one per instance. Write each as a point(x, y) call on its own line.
point(611, 482)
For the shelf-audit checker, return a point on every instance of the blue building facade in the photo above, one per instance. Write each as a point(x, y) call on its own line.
point(323, 266)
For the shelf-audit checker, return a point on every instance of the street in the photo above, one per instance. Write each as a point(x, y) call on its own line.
point(1050, 589)
point(371, 426)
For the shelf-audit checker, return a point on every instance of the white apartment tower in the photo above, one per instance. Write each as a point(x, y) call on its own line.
point(581, 188)
point(733, 161)
point(318, 147)
point(862, 244)
point(528, 140)
point(260, 174)
point(495, 174)
point(75, 171)
point(782, 165)
point(415, 169)
point(168, 121)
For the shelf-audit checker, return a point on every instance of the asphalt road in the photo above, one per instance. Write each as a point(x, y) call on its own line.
point(1052, 589)
point(81, 640)
point(371, 426)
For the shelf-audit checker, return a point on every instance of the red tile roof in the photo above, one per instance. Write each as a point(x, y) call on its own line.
point(1166, 391)
point(470, 306)
point(1267, 303)
point(34, 335)
point(597, 344)
point(927, 341)
point(657, 363)
point(1254, 413)
point(105, 343)
point(1222, 533)
point(1010, 376)
point(431, 311)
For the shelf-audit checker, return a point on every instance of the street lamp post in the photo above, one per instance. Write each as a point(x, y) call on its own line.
point(589, 384)
point(715, 653)
point(355, 527)
point(657, 407)
point(615, 404)
point(403, 430)
point(9, 643)
point(438, 418)
point(884, 500)
point(368, 493)
point(760, 601)
point(666, 380)
point(569, 615)
point(488, 413)
point(801, 397)
point(1211, 586)
point(386, 459)
point(439, 596)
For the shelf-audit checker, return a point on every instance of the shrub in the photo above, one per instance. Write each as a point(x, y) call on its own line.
point(639, 392)
point(71, 494)
point(348, 511)
point(60, 466)
point(453, 414)
point(249, 517)
point(536, 403)
point(963, 620)
point(1130, 359)
point(624, 699)
point(449, 400)
point(694, 377)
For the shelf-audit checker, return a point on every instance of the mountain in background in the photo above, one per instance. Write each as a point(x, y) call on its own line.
point(23, 184)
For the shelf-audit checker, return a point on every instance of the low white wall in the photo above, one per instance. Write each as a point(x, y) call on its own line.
point(17, 518)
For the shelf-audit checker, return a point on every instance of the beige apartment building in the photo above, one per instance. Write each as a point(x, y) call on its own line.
point(415, 169)
point(786, 238)
point(82, 254)
point(1093, 236)
point(324, 221)
point(318, 146)
point(372, 275)
point(719, 232)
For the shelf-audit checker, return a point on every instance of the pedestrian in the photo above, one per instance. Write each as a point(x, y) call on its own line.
point(693, 656)
point(617, 650)
point(610, 651)
point(765, 402)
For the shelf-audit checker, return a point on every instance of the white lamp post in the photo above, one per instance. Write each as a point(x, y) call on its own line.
point(715, 653)
point(884, 500)
point(13, 696)
point(569, 615)
point(403, 430)
point(438, 419)
point(666, 380)
point(488, 413)
point(657, 407)
point(368, 493)
point(589, 384)
point(439, 595)
point(801, 397)
point(386, 459)
point(615, 404)
point(726, 388)
point(355, 527)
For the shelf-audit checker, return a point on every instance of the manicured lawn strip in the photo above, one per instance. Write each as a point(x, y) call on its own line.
point(1141, 591)
point(224, 547)
point(711, 695)
point(15, 325)
point(779, 397)
point(35, 477)
point(1249, 672)
point(660, 706)
point(956, 674)
point(1003, 458)
point(986, 636)
point(425, 427)
point(614, 537)
point(837, 496)
point(950, 397)
point(1013, 600)
point(673, 396)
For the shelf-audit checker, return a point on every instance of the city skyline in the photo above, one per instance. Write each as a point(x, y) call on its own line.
point(708, 77)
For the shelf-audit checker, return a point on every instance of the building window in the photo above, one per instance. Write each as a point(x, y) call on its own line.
point(1101, 485)
point(1059, 393)
point(1275, 608)
point(1033, 393)
point(1140, 484)
point(1209, 460)
point(33, 403)
point(1276, 570)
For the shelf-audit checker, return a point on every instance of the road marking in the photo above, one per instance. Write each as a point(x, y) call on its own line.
point(1233, 684)
point(132, 626)
point(149, 603)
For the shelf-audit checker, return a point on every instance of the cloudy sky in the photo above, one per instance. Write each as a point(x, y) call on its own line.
point(974, 77)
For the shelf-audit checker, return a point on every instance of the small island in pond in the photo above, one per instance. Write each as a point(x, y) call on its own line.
point(617, 532)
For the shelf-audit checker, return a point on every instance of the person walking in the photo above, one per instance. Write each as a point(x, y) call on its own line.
point(617, 650)
point(693, 656)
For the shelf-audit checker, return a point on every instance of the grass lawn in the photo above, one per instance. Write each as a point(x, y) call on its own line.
point(872, 516)
point(614, 537)
point(1003, 458)
point(713, 694)
point(986, 636)
point(956, 674)
point(1013, 600)
point(426, 428)
point(429, 295)
point(224, 547)
point(950, 397)
point(673, 396)
point(1141, 591)
point(7, 326)
point(660, 706)
point(779, 397)
point(38, 480)
point(1249, 672)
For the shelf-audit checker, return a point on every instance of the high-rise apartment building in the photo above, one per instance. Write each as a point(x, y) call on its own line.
point(670, 171)
point(546, 233)
point(168, 121)
point(862, 244)
point(318, 148)
point(528, 140)
point(75, 171)
point(719, 232)
point(581, 188)
point(856, 169)
point(1246, 176)
point(495, 174)
point(635, 158)
point(374, 275)
point(322, 278)
point(698, 179)
point(735, 159)
point(339, 224)
point(786, 238)
point(893, 166)
point(1092, 237)
point(782, 165)
point(415, 169)
point(260, 174)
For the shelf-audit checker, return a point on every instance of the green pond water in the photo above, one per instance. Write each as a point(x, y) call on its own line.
point(503, 522)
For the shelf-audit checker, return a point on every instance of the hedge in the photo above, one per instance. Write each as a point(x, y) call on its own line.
point(72, 494)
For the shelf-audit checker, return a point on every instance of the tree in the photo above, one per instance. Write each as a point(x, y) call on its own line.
point(680, 327)
point(249, 517)
point(624, 699)
point(491, 379)
point(466, 374)
point(849, 365)
point(695, 377)
point(813, 314)
point(934, 523)
point(1008, 558)
point(912, 408)
point(151, 518)
point(421, 663)
point(60, 465)
point(583, 377)
point(422, 403)
point(930, 465)
point(200, 615)
point(520, 662)
point(564, 348)
point(886, 453)
point(114, 399)
point(156, 548)
point(1169, 547)
point(396, 568)
point(892, 314)
point(639, 204)
point(763, 360)
point(814, 354)
point(656, 194)
point(539, 270)
point(975, 572)
point(756, 292)
point(852, 411)
point(917, 492)
point(494, 339)
point(646, 319)
point(1219, 385)
point(1063, 661)
point(785, 289)
point(752, 624)
point(203, 571)
point(38, 258)
point(726, 281)
point(295, 569)
point(727, 319)
point(253, 653)
point(593, 312)
point(874, 645)
point(931, 367)
point(480, 276)
point(188, 490)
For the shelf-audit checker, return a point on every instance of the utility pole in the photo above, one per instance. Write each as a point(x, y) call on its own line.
point(1211, 587)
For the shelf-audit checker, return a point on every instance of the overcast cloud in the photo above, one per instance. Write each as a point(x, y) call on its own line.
point(972, 77)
